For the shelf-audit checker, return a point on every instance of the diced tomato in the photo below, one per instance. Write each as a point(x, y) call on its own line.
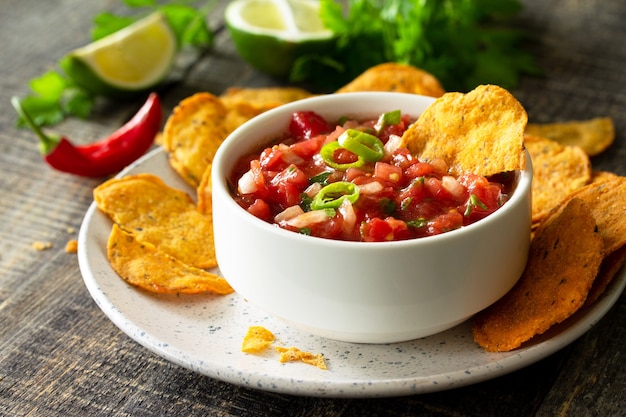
point(376, 230)
point(293, 175)
point(288, 194)
point(438, 191)
point(260, 209)
point(399, 228)
point(388, 172)
point(418, 169)
point(384, 230)
point(445, 222)
point(259, 179)
point(271, 159)
point(306, 124)
point(352, 173)
point(344, 156)
point(308, 148)
point(288, 185)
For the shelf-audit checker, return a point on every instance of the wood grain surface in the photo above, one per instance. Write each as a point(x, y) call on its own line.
point(60, 355)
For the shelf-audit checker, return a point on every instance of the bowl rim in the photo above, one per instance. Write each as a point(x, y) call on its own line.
point(522, 186)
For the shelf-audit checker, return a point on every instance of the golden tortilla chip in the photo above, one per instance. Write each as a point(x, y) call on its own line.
point(557, 171)
point(293, 354)
point(204, 192)
point(156, 213)
point(607, 200)
point(599, 176)
point(264, 98)
point(257, 339)
point(143, 265)
point(196, 128)
point(593, 135)
point(564, 259)
point(611, 265)
point(481, 132)
point(395, 77)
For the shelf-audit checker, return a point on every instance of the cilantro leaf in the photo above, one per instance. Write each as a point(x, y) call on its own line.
point(55, 97)
point(463, 43)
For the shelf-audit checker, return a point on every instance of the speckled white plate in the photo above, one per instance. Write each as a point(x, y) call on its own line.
point(204, 333)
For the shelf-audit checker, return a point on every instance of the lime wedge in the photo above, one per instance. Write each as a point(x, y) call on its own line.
point(271, 34)
point(131, 60)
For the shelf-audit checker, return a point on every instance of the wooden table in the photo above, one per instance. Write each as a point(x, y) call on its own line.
point(61, 356)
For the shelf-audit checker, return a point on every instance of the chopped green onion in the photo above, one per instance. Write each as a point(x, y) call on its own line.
point(321, 178)
point(305, 202)
point(328, 155)
point(474, 201)
point(388, 119)
point(367, 146)
point(388, 206)
point(418, 223)
point(331, 196)
point(406, 203)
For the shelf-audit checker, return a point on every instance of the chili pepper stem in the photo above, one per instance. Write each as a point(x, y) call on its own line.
point(47, 143)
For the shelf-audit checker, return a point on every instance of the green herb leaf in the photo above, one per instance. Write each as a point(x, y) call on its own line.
point(55, 97)
point(463, 43)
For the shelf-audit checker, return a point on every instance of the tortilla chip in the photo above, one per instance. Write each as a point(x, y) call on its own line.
point(564, 259)
point(607, 200)
point(611, 265)
point(293, 354)
point(204, 193)
point(264, 98)
point(196, 128)
point(156, 213)
point(599, 176)
point(481, 132)
point(143, 265)
point(593, 135)
point(395, 77)
point(257, 339)
point(557, 171)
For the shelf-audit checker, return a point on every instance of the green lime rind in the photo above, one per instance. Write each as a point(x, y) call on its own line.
point(81, 74)
point(274, 56)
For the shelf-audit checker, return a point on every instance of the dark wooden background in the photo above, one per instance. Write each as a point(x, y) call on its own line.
point(59, 354)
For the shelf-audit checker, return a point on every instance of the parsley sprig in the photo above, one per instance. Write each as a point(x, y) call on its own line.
point(55, 96)
point(464, 43)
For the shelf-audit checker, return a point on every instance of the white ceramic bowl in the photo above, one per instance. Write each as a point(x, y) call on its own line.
point(377, 292)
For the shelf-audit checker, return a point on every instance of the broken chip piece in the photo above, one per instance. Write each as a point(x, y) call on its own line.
point(257, 339)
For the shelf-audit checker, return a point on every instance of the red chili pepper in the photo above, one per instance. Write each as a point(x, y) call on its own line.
point(104, 157)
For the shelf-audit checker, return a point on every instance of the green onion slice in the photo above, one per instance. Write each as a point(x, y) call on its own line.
point(367, 146)
point(328, 155)
point(331, 196)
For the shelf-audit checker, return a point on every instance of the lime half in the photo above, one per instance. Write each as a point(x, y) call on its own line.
point(131, 60)
point(271, 34)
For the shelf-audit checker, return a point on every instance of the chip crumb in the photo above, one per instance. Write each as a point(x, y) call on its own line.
point(257, 339)
point(70, 230)
point(41, 246)
point(293, 354)
point(71, 246)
